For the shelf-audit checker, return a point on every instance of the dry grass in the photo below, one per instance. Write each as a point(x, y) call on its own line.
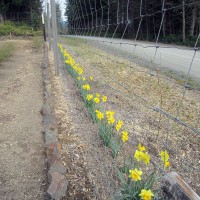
point(6, 50)
point(37, 42)
point(132, 92)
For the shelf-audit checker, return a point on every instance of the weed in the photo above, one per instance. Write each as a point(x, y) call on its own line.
point(37, 42)
point(6, 50)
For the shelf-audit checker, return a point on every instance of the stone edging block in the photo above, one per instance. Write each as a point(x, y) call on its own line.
point(56, 170)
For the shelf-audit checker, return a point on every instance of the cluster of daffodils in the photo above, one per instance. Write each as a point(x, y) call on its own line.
point(117, 126)
point(108, 124)
point(142, 187)
point(112, 131)
point(136, 174)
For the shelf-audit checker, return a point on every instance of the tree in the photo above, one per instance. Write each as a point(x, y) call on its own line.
point(183, 3)
point(181, 18)
point(58, 16)
point(28, 11)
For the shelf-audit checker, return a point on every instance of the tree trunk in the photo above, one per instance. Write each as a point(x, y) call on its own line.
point(147, 28)
point(164, 26)
point(18, 14)
point(183, 2)
point(199, 19)
point(194, 13)
point(31, 13)
point(154, 27)
point(3, 14)
point(170, 25)
point(1, 18)
point(147, 23)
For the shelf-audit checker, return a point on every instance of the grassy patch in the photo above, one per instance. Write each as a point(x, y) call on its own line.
point(37, 42)
point(6, 50)
point(76, 42)
point(193, 83)
point(18, 30)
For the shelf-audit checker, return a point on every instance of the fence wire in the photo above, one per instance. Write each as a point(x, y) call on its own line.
point(158, 125)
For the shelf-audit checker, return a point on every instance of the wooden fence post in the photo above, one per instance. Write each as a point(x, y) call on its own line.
point(175, 188)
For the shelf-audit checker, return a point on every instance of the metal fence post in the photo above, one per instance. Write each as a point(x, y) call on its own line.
point(48, 27)
point(55, 36)
point(43, 28)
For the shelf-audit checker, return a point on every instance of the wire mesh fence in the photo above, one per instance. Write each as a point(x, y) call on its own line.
point(159, 110)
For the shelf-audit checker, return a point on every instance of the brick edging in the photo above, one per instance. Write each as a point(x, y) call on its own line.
point(56, 170)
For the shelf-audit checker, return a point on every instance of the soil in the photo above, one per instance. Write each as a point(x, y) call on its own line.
point(22, 160)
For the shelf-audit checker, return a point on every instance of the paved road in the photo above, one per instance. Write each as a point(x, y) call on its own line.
point(170, 58)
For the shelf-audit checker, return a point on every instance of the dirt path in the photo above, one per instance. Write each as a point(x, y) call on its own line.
point(22, 158)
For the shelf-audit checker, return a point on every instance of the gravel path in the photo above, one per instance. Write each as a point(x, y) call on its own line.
point(22, 160)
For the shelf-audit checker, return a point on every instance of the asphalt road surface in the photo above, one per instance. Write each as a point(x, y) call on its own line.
point(176, 58)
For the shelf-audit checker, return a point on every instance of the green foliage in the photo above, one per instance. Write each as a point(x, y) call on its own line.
point(106, 132)
point(177, 39)
point(18, 30)
point(131, 189)
point(22, 10)
point(6, 50)
point(91, 106)
point(116, 145)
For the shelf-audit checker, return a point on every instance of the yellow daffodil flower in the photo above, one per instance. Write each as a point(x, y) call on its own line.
point(91, 78)
point(80, 71)
point(111, 120)
point(124, 136)
point(135, 174)
point(99, 115)
point(146, 194)
point(167, 164)
point(165, 158)
point(83, 78)
point(141, 156)
point(104, 98)
point(96, 100)
point(119, 125)
point(110, 113)
point(97, 95)
point(146, 158)
point(86, 87)
point(89, 97)
point(141, 148)
point(138, 155)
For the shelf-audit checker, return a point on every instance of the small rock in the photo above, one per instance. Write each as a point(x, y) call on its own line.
point(50, 136)
point(58, 186)
point(57, 166)
point(45, 109)
point(53, 152)
point(50, 122)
